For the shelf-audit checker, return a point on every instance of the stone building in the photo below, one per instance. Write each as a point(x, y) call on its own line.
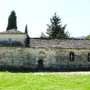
point(48, 54)
point(12, 37)
point(59, 54)
point(45, 54)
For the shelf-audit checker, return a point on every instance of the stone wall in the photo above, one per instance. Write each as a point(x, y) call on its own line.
point(60, 43)
point(51, 57)
point(11, 39)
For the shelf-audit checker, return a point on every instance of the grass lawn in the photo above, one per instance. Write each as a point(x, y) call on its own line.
point(44, 81)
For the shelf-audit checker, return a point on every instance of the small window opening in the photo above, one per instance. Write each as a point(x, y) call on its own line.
point(71, 56)
point(89, 57)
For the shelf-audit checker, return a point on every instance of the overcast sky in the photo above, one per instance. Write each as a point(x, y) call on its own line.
point(37, 13)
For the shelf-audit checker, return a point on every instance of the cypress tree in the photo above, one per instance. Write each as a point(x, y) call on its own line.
point(27, 40)
point(12, 21)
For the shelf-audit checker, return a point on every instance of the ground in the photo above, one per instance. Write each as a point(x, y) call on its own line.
point(45, 81)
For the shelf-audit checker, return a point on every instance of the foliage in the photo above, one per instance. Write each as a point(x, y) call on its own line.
point(88, 37)
point(27, 40)
point(26, 31)
point(55, 29)
point(12, 22)
point(44, 81)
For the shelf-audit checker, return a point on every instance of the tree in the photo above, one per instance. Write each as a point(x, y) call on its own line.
point(26, 29)
point(12, 21)
point(27, 40)
point(55, 29)
point(87, 37)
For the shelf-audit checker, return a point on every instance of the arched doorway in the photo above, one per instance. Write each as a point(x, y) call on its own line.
point(40, 64)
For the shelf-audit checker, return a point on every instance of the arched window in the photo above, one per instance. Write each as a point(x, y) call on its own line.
point(71, 56)
point(89, 57)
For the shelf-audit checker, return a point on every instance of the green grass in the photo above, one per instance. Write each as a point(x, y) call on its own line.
point(44, 81)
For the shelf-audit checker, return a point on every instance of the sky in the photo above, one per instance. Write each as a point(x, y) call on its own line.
point(37, 13)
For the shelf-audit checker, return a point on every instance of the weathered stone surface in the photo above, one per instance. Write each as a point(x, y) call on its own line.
point(12, 38)
point(67, 43)
point(51, 57)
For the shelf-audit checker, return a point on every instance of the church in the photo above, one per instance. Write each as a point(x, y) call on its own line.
point(21, 52)
point(42, 53)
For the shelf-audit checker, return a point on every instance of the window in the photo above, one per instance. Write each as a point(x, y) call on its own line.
point(40, 63)
point(71, 56)
point(89, 57)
